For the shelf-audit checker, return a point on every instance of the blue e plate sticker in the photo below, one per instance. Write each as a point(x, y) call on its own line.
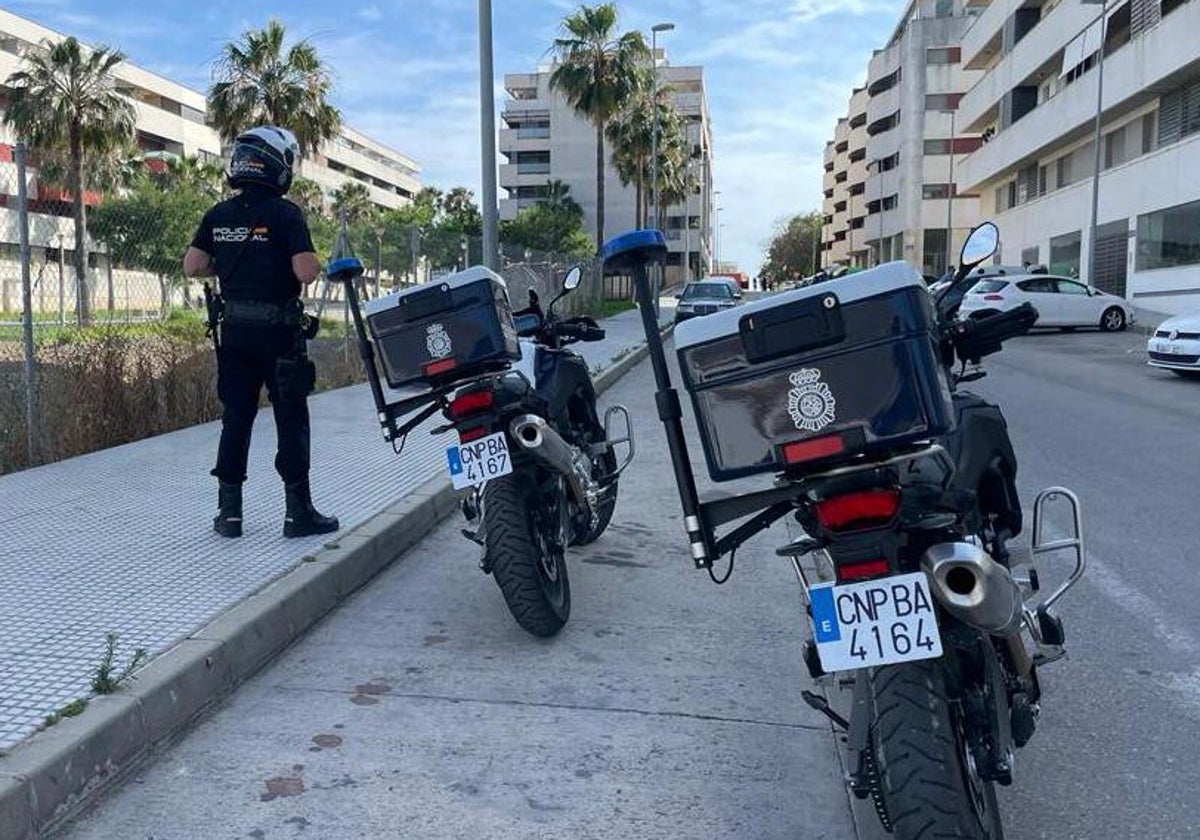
point(824, 614)
point(454, 459)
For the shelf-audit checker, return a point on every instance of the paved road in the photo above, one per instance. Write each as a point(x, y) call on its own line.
point(667, 708)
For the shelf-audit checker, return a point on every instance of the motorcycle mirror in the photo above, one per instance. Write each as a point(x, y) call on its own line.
point(574, 276)
point(981, 244)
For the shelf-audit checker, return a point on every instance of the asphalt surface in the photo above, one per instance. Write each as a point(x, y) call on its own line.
point(670, 708)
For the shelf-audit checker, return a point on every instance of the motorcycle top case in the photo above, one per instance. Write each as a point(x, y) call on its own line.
point(444, 331)
point(849, 367)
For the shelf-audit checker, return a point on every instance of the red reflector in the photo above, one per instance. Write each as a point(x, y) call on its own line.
point(468, 435)
point(861, 571)
point(811, 450)
point(874, 507)
point(993, 297)
point(439, 367)
point(471, 403)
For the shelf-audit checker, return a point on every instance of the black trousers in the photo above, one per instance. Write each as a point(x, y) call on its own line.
point(245, 363)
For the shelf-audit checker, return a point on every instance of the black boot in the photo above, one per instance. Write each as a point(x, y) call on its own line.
point(228, 521)
point(302, 519)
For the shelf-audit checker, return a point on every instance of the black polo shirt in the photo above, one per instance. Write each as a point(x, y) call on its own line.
point(252, 238)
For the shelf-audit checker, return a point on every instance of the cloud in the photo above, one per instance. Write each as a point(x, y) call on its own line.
point(370, 13)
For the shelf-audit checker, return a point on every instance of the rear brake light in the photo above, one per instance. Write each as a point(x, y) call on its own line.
point(862, 571)
point(858, 510)
point(993, 297)
point(812, 450)
point(464, 405)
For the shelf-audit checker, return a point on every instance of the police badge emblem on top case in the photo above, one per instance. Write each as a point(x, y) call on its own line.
point(437, 341)
point(811, 402)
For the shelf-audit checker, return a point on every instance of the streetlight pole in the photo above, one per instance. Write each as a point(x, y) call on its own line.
point(1096, 138)
point(950, 195)
point(487, 131)
point(654, 30)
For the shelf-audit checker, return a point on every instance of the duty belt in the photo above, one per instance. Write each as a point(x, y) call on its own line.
point(263, 313)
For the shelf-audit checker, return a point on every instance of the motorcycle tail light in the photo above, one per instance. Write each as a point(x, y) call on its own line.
point(859, 511)
point(468, 435)
point(439, 367)
point(473, 402)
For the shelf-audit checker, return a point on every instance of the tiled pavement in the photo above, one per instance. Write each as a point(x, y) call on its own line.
point(120, 540)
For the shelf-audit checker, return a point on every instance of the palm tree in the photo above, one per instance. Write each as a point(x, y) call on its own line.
point(64, 101)
point(558, 199)
point(258, 82)
point(353, 199)
point(597, 72)
point(308, 196)
point(191, 172)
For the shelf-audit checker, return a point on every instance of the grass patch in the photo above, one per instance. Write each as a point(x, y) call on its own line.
point(73, 709)
point(616, 307)
point(107, 678)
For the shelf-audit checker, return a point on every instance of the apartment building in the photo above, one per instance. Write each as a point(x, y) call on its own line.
point(1036, 104)
point(891, 191)
point(170, 118)
point(543, 139)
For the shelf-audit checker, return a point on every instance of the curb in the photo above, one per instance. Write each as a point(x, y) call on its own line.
point(58, 771)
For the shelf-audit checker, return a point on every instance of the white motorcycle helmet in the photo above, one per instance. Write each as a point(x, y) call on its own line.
point(266, 157)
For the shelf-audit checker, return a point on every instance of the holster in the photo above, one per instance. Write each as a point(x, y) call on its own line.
point(213, 305)
point(295, 373)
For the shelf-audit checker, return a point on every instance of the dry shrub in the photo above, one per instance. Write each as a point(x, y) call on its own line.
point(113, 387)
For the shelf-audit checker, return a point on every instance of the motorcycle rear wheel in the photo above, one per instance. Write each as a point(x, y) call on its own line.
point(928, 779)
point(527, 562)
point(583, 532)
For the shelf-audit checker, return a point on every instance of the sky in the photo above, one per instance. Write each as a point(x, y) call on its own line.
point(779, 73)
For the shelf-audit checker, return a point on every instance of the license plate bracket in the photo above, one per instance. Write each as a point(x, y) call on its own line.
point(884, 621)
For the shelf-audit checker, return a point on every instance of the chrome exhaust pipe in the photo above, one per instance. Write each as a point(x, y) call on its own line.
point(538, 438)
point(974, 588)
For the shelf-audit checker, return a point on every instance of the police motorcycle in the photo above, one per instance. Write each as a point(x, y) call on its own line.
point(904, 486)
point(540, 467)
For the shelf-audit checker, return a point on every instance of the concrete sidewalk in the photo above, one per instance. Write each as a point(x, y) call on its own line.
point(119, 540)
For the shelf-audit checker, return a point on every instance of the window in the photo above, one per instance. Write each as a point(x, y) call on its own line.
point(1002, 199)
point(1169, 238)
point(942, 101)
point(1114, 148)
point(935, 191)
point(1179, 114)
point(886, 83)
point(858, 189)
point(1169, 6)
point(943, 55)
point(1064, 171)
point(1064, 253)
point(887, 164)
point(988, 287)
point(1037, 286)
point(885, 124)
point(1070, 287)
point(1149, 132)
point(937, 147)
point(891, 202)
point(934, 252)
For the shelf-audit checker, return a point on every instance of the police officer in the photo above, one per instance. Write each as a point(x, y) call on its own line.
point(259, 247)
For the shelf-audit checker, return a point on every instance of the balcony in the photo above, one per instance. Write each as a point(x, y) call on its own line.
point(521, 174)
point(1030, 55)
point(884, 104)
point(985, 38)
point(1133, 74)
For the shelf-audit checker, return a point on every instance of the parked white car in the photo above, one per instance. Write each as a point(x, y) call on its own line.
point(1175, 346)
point(1060, 302)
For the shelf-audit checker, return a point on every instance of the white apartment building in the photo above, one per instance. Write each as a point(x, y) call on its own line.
point(1036, 103)
point(171, 119)
point(889, 191)
point(543, 139)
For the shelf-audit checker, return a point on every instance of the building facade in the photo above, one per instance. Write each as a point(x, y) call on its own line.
point(891, 191)
point(544, 140)
point(1036, 104)
point(171, 119)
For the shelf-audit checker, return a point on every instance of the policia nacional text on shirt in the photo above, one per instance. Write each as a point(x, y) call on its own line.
point(258, 246)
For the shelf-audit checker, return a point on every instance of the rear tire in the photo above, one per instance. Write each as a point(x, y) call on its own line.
point(1113, 319)
point(531, 574)
point(929, 787)
point(1187, 374)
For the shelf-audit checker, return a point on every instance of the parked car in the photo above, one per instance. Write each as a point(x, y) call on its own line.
point(734, 284)
point(704, 298)
point(1060, 302)
point(1175, 346)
